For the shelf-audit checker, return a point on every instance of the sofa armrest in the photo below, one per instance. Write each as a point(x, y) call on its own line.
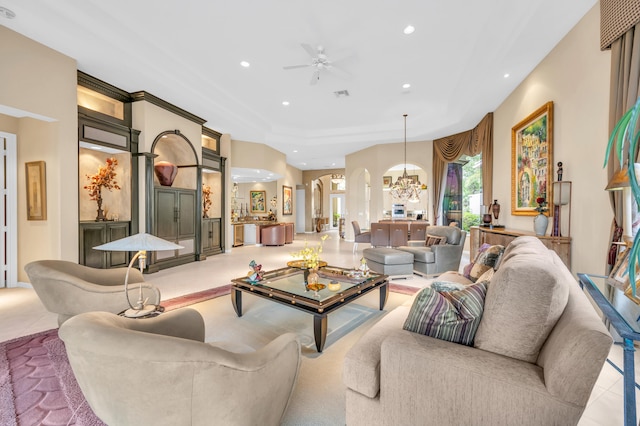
point(423, 377)
point(447, 256)
point(361, 367)
point(184, 323)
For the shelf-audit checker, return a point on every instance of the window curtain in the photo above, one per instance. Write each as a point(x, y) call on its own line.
point(450, 148)
point(625, 81)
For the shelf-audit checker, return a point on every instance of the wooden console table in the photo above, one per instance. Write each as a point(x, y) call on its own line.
point(503, 236)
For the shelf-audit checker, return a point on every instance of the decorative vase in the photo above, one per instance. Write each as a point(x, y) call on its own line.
point(100, 217)
point(313, 276)
point(165, 172)
point(540, 223)
point(495, 208)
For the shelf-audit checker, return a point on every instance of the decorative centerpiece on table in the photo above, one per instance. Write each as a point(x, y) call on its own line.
point(256, 274)
point(541, 221)
point(309, 261)
point(206, 200)
point(105, 178)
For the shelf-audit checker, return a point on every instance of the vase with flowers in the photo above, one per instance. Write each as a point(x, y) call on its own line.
point(541, 221)
point(105, 178)
point(309, 261)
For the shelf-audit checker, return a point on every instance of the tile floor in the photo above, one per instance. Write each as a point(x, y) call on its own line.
point(21, 312)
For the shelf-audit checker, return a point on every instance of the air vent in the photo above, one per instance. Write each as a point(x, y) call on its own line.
point(341, 93)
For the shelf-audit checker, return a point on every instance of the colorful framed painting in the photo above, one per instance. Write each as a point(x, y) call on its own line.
point(36, 180)
point(258, 201)
point(287, 208)
point(619, 276)
point(532, 161)
point(386, 181)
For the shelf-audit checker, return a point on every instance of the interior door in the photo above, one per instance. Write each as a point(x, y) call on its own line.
point(337, 202)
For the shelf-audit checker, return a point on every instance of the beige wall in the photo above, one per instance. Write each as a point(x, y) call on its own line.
point(377, 160)
point(42, 82)
point(575, 76)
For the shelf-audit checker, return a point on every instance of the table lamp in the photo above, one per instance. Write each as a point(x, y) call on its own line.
point(141, 243)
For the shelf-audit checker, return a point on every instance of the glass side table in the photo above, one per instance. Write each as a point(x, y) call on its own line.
point(629, 333)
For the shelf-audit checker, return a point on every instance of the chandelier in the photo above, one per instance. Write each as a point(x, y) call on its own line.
point(405, 188)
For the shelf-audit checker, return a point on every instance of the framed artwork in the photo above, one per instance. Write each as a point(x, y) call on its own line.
point(619, 276)
point(532, 161)
point(36, 180)
point(414, 178)
point(287, 209)
point(258, 201)
point(386, 181)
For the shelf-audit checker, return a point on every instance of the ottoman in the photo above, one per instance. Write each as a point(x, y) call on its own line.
point(388, 261)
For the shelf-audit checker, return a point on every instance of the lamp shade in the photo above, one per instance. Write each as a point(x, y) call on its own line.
point(141, 241)
point(620, 179)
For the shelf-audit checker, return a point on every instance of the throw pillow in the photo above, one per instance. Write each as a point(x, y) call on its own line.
point(443, 286)
point(486, 277)
point(526, 297)
point(433, 240)
point(485, 261)
point(452, 316)
point(466, 271)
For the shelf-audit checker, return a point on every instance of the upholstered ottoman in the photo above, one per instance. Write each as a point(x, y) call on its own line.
point(389, 261)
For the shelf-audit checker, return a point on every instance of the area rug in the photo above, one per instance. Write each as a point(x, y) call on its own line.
point(37, 385)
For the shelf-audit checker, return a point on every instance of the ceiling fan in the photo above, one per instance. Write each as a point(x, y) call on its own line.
point(319, 61)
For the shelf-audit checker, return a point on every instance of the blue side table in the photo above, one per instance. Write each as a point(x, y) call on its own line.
point(628, 332)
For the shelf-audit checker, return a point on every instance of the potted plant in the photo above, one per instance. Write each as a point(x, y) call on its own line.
point(105, 178)
point(624, 139)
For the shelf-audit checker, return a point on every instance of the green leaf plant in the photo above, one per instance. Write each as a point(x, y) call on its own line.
point(625, 140)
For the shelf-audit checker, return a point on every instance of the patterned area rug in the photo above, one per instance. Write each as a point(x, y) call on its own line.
point(37, 385)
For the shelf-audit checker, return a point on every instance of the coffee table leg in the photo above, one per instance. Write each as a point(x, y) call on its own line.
point(320, 330)
point(236, 301)
point(384, 294)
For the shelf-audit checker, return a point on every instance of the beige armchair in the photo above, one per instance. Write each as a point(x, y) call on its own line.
point(68, 289)
point(158, 371)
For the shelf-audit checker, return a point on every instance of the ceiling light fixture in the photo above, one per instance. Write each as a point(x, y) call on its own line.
point(6, 13)
point(285, 103)
point(406, 189)
point(409, 29)
point(506, 75)
point(406, 86)
point(245, 64)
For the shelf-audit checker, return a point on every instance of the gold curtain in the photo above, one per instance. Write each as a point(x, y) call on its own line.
point(450, 148)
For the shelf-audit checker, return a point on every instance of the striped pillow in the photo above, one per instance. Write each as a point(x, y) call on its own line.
point(434, 240)
point(453, 316)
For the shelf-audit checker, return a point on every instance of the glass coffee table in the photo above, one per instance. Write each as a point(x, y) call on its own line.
point(287, 286)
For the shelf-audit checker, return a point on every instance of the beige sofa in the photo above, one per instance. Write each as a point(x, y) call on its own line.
point(537, 354)
point(159, 371)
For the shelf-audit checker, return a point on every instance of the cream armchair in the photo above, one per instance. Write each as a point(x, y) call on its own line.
point(68, 289)
point(158, 371)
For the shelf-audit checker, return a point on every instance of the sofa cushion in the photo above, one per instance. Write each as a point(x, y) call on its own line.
point(527, 295)
point(433, 240)
point(452, 316)
point(466, 271)
point(485, 260)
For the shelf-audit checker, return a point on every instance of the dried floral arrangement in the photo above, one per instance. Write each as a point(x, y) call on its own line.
point(206, 200)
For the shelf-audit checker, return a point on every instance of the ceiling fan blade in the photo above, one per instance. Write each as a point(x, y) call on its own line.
point(290, 67)
point(310, 50)
point(338, 71)
point(315, 77)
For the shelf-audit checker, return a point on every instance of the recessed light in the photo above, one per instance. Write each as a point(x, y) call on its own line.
point(295, 150)
point(506, 75)
point(245, 64)
point(409, 29)
point(303, 163)
point(406, 86)
point(285, 103)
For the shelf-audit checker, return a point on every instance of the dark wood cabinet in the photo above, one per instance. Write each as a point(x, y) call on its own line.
point(96, 233)
point(175, 220)
point(212, 236)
